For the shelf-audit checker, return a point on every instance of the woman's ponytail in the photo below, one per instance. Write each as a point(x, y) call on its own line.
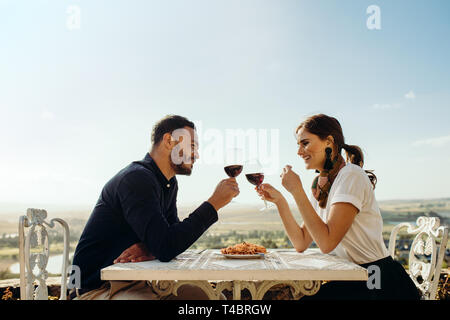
point(355, 156)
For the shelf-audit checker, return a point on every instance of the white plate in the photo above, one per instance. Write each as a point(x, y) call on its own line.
point(243, 256)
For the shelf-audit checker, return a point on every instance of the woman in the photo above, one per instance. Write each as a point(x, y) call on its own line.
point(342, 214)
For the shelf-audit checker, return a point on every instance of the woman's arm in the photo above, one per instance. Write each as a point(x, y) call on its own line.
point(299, 235)
point(326, 235)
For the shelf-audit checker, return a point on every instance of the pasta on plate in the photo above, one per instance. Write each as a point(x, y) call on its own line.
point(244, 248)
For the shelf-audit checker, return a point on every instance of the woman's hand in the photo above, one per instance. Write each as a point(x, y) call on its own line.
point(290, 180)
point(269, 193)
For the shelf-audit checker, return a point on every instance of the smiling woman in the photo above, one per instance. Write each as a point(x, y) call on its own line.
point(342, 214)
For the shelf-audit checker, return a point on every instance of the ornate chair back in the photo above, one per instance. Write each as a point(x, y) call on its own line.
point(425, 256)
point(34, 255)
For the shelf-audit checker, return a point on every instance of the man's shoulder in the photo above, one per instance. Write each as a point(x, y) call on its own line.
point(134, 173)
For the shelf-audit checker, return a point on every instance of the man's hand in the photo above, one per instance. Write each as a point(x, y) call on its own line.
point(225, 191)
point(136, 253)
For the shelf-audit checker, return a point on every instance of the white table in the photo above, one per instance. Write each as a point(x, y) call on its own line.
point(304, 272)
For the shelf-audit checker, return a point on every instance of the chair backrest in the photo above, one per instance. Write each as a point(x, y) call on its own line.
point(34, 254)
point(424, 272)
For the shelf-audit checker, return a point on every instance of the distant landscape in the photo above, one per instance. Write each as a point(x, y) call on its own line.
point(237, 223)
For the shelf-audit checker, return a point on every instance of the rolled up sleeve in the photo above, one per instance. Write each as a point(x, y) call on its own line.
point(351, 188)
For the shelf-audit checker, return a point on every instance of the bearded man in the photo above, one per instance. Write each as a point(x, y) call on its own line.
point(135, 218)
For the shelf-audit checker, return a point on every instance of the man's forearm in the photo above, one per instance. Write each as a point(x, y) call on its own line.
point(180, 236)
point(215, 203)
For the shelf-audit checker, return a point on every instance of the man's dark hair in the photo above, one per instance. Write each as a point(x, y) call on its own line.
point(167, 125)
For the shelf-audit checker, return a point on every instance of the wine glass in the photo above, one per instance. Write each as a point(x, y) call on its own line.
point(233, 170)
point(232, 167)
point(255, 175)
point(233, 162)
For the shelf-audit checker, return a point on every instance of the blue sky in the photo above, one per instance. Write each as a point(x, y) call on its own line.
point(78, 105)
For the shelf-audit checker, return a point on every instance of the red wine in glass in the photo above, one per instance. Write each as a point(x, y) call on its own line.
point(233, 171)
point(255, 178)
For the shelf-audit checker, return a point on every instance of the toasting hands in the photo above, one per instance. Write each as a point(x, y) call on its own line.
point(269, 193)
point(225, 191)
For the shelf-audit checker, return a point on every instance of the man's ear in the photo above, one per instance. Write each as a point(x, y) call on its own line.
point(170, 142)
point(167, 141)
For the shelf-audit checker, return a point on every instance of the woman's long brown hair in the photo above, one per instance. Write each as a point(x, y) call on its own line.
point(323, 126)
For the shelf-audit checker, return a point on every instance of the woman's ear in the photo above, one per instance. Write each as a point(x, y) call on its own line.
point(330, 140)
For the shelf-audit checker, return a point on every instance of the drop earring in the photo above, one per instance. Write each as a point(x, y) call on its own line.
point(328, 165)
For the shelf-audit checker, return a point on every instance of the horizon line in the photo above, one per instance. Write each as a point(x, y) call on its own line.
point(71, 207)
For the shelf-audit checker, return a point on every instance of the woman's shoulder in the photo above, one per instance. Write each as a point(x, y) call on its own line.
point(353, 180)
point(352, 170)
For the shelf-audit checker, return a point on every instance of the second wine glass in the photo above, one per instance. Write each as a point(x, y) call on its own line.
point(255, 175)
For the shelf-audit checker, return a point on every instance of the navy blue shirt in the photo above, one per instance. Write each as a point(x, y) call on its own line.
point(137, 205)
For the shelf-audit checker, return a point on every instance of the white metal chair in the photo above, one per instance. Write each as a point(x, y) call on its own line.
point(424, 272)
point(34, 254)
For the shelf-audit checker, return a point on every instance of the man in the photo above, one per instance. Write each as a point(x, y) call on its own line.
point(135, 218)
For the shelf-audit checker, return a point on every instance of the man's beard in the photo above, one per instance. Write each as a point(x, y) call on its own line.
point(180, 169)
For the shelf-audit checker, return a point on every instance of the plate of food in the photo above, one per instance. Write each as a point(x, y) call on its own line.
point(244, 250)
